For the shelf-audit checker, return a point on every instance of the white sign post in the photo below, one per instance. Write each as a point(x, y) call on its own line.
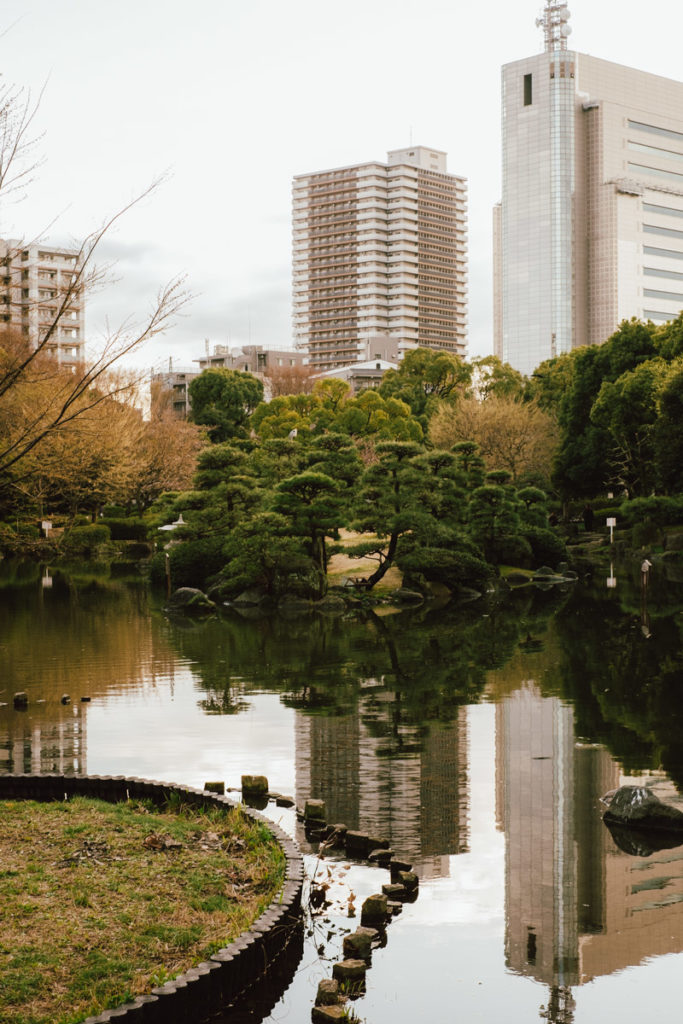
point(611, 522)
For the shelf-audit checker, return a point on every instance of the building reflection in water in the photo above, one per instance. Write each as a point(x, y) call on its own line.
point(47, 737)
point(408, 783)
point(577, 907)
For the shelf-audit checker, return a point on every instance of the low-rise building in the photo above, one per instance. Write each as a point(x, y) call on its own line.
point(171, 387)
point(360, 376)
point(250, 358)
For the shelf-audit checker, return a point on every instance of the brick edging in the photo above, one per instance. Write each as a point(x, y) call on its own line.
point(216, 982)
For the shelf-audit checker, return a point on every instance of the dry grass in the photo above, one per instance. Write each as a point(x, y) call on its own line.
point(102, 902)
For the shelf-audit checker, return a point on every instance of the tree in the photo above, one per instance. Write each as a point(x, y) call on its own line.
point(229, 490)
point(261, 552)
point(289, 380)
point(374, 415)
point(25, 366)
point(315, 507)
point(491, 376)
point(549, 382)
point(510, 434)
point(471, 466)
point(627, 410)
point(534, 506)
point(334, 455)
point(425, 376)
point(582, 467)
point(492, 518)
point(78, 467)
point(388, 505)
point(286, 414)
point(667, 437)
point(161, 456)
point(223, 400)
point(331, 407)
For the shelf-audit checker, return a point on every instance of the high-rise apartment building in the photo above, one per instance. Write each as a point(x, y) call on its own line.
point(34, 282)
point(380, 249)
point(590, 228)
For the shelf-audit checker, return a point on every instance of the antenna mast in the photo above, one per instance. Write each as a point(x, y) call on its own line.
point(555, 25)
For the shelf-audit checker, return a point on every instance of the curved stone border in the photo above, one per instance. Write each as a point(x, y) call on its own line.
point(215, 983)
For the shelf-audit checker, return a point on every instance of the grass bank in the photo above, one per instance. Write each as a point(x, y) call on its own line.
point(101, 902)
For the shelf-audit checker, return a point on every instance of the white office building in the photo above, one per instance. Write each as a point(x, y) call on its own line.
point(589, 231)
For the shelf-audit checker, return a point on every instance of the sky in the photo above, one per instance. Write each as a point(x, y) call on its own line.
point(227, 100)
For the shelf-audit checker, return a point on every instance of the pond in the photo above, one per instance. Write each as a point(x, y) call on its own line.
point(477, 739)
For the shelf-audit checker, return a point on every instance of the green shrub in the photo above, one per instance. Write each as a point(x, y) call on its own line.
point(661, 511)
point(546, 547)
point(114, 512)
point(513, 549)
point(193, 562)
point(443, 565)
point(645, 534)
point(126, 529)
point(85, 541)
point(8, 539)
point(29, 530)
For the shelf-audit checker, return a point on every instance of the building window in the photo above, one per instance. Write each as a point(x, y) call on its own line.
point(527, 90)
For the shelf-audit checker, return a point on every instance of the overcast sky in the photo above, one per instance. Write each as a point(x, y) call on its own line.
point(232, 99)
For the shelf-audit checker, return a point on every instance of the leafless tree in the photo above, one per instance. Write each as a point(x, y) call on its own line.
point(37, 396)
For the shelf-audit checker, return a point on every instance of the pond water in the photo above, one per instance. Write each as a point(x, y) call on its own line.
point(478, 740)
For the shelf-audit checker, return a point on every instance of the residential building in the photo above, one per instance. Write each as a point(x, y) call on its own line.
point(35, 279)
point(172, 387)
point(250, 358)
point(380, 248)
point(590, 228)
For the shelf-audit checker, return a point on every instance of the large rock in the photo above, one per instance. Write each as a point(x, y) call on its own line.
point(251, 598)
point(190, 601)
point(638, 807)
point(328, 992)
point(358, 945)
point(374, 910)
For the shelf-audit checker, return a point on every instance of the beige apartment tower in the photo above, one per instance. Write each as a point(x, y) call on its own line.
point(34, 280)
point(380, 249)
point(590, 228)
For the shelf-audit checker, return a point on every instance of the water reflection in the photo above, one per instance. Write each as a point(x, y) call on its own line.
point(577, 906)
point(376, 718)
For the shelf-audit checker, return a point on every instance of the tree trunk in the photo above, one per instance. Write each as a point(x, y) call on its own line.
point(377, 575)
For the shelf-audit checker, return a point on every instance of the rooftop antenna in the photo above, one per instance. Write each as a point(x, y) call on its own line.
point(555, 25)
